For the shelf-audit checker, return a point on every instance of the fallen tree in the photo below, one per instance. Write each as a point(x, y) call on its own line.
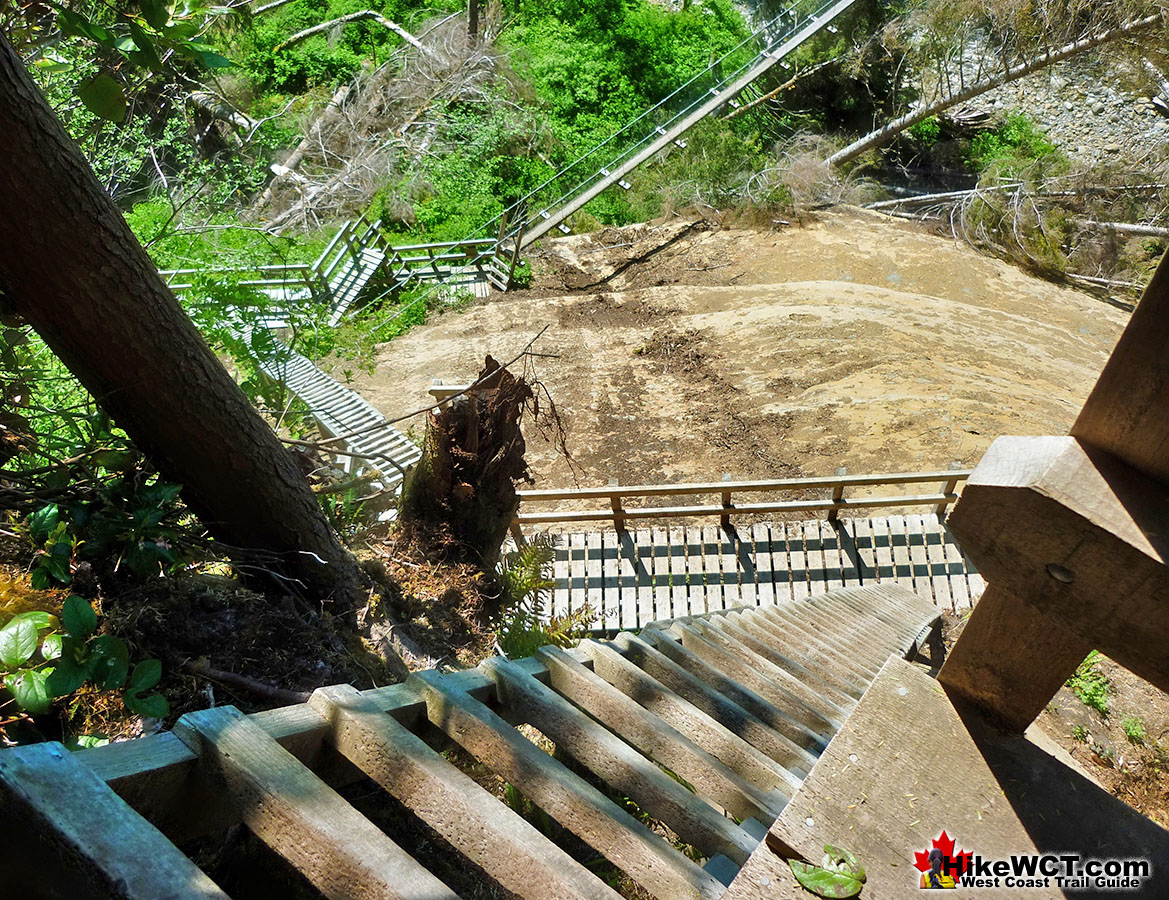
point(1011, 73)
point(360, 16)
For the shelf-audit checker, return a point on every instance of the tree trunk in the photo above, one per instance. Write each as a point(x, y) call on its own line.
point(71, 267)
point(462, 492)
point(1013, 73)
point(473, 21)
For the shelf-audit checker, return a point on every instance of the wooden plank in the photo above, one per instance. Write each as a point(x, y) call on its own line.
point(679, 713)
point(731, 574)
point(770, 710)
point(1125, 414)
point(915, 538)
point(892, 786)
point(936, 555)
point(1081, 536)
point(290, 809)
point(656, 738)
point(814, 558)
point(679, 599)
point(781, 571)
point(712, 556)
point(561, 574)
point(1033, 657)
point(718, 706)
point(829, 663)
point(594, 593)
point(956, 569)
point(625, 567)
point(821, 628)
point(851, 560)
point(618, 764)
point(883, 549)
point(67, 834)
point(566, 797)
point(745, 560)
point(816, 677)
point(833, 558)
point(477, 824)
point(645, 591)
point(818, 714)
point(765, 575)
point(661, 559)
point(695, 571)
point(577, 596)
point(899, 545)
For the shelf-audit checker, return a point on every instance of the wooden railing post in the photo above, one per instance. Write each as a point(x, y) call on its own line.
point(725, 518)
point(837, 496)
point(618, 510)
point(948, 490)
point(1070, 534)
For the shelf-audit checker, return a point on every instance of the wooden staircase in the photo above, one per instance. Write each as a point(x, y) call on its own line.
point(707, 725)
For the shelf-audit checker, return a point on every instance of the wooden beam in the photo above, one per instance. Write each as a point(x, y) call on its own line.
point(618, 764)
point(566, 797)
point(1079, 536)
point(1127, 412)
point(486, 831)
point(655, 738)
point(343, 854)
point(66, 834)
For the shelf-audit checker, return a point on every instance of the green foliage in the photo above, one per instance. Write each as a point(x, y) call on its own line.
point(839, 875)
point(43, 658)
point(927, 131)
point(1091, 685)
point(525, 626)
point(1080, 734)
point(1134, 729)
point(1014, 147)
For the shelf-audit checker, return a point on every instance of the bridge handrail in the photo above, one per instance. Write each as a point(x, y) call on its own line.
point(838, 484)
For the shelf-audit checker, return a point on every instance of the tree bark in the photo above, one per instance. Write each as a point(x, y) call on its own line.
point(1012, 73)
point(473, 21)
point(71, 267)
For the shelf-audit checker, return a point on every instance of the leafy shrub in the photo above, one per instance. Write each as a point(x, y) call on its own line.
point(1013, 147)
point(1091, 685)
point(44, 658)
point(1134, 729)
point(927, 131)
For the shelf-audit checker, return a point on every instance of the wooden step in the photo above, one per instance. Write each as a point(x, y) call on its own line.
point(907, 766)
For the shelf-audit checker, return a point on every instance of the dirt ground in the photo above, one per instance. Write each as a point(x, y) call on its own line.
point(682, 351)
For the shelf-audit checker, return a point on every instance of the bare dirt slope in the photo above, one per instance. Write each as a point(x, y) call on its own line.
point(854, 341)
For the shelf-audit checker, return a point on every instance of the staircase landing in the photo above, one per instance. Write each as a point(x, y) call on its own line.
point(636, 577)
point(908, 765)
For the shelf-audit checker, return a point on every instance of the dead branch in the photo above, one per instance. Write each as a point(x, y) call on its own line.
point(360, 16)
point(243, 683)
point(786, 86)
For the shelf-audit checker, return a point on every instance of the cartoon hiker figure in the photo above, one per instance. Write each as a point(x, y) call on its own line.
point(935, 878)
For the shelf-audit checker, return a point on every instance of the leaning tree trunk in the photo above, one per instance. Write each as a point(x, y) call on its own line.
point(1012, 73)
point(463, 490)
point(71, 267)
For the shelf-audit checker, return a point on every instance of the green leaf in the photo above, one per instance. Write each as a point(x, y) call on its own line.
point(104, 98)
point(42, 522)
point(52, 66)
point(73, 24)
point(155, 13)
point(68, 676)
point(29, 690)
point(115, 460)
point(146, 675)
point(146, 56)
point(152, 704)
point(207, 56)
point(18, 642)
point(822, 883)
point(39, 618)
point(79, 618)
point(51, 647)
point(109, 662)
point(86, 741)
point(837, 859)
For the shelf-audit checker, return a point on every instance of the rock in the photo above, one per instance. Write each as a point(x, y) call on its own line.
point(1112, 148)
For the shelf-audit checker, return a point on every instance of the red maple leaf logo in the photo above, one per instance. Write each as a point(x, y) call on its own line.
point(945, 843)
